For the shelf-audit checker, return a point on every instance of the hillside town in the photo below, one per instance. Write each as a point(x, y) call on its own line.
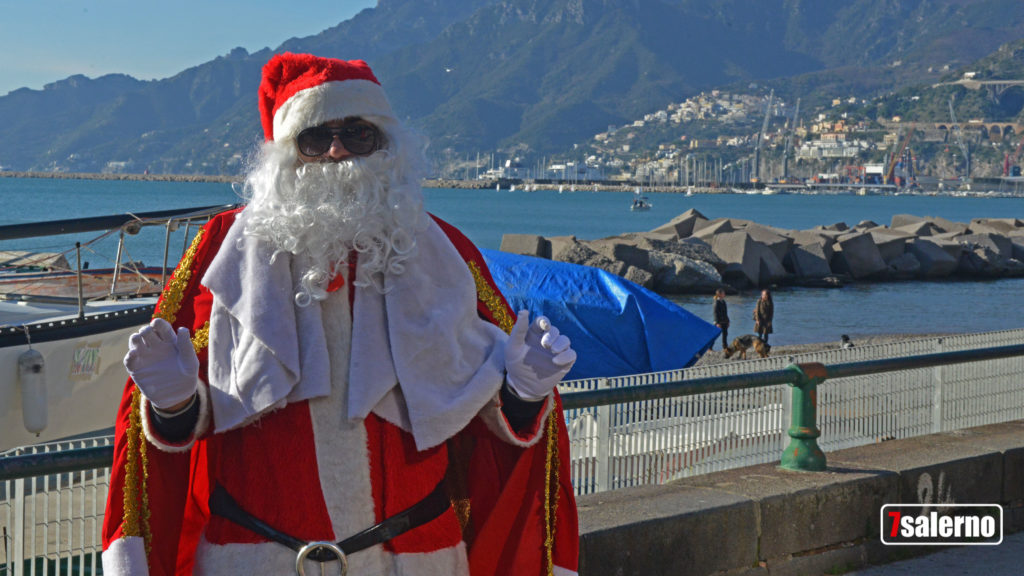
point(723, 139)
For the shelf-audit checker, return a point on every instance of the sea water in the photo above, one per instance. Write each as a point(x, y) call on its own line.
point(802, 314)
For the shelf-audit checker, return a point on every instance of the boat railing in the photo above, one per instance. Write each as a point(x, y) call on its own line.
point(124, 225)
point(170, 223)
point(134, 222)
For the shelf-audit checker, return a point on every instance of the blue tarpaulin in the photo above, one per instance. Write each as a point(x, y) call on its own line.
point(616, 327)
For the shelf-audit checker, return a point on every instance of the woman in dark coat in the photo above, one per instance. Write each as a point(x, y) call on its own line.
point(763, 314)
point(722, 316)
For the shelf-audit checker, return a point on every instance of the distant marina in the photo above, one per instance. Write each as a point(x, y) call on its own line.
point(983, 187)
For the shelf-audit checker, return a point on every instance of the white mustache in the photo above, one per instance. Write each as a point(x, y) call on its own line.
point(325, 211)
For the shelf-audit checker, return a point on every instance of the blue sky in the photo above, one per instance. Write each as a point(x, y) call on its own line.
point(42, 41)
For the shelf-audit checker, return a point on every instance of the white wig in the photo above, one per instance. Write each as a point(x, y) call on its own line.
point(322, 212)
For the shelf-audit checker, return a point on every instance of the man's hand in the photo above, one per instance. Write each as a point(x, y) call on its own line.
point(537, 357)
point(163, 364)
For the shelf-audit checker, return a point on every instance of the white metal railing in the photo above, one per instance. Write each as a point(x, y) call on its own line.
point(653, 441)
point(56, 520)
point(53, 524)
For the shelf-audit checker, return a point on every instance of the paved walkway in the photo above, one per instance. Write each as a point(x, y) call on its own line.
point(1006, 559)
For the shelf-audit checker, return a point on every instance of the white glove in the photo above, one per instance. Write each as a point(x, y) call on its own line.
point(537, 357)
point(163, 364)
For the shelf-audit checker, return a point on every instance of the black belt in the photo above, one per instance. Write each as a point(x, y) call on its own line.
point(427, 509)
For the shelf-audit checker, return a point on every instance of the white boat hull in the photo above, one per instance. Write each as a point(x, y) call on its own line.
point(83, 376)
point(72, 382)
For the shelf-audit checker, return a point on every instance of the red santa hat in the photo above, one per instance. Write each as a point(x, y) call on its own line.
point(302, 90)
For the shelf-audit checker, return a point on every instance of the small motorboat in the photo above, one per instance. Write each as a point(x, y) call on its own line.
point(640, 203)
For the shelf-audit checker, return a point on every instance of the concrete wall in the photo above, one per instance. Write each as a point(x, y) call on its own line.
point(765, 520)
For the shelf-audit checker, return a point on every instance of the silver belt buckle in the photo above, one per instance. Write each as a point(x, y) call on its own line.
point(311, 547)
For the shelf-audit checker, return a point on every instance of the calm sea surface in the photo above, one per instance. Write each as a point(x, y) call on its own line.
point(802, 314)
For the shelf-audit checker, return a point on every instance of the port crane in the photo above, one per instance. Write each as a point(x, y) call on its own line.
point(789, 140)
point(760, 138)
point(897, 155)
point(955, 126)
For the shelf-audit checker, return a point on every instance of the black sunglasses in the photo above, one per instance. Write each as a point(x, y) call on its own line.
point(357, 137)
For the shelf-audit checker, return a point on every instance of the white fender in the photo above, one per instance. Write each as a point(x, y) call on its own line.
point(32, 374)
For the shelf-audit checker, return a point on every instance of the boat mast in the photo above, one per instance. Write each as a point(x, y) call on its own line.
point(789, 140)
point(760, 137)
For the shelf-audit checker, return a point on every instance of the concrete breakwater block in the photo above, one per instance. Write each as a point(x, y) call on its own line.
point(636, 258)
point(1001, 226)
point(814, 238)
point(691, 247)
point(900, 220)
point(859, 257)
point(526, 245)
point(742, 254)
point(683, 225)
point(713, 228)
point(948, 225)
point(681, 275)
point(1017, 244)
point(621, 251)
point(560, 244)
point(808, 261)
point(922, 228)
point(640, 277)
point(994, 247)
point(935, 261)
point(988, 255)
point(771, 270)
point(891, 244)
point(904, 267)
point(693, 254)
point(778, 243)
point(569, 249)
point(837, 227)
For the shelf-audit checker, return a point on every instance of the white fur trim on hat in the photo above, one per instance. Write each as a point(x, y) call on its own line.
point(330, 101)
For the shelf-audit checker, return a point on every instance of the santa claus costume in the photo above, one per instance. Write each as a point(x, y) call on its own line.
point(376, 403)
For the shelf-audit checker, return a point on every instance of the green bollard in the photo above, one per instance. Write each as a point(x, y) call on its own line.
point(803, 452)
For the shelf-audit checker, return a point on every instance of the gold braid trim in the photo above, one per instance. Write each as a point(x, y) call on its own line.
point(136, 498)
point(131, 487)
point(136, 495)
point(551, 488)
point(486, 293)
point(147, 535)
point(202, 337)
point(170, 301)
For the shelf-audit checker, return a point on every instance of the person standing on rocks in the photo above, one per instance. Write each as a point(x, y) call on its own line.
point(722, 317)
point(763, 314)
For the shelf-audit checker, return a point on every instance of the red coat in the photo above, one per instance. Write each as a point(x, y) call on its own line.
point(513, 502)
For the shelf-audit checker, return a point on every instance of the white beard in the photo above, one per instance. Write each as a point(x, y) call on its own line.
point(322, 212)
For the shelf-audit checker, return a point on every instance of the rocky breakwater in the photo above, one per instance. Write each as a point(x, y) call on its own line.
point(694, 254)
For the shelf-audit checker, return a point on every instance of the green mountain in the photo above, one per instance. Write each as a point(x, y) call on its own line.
point(532, 75)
